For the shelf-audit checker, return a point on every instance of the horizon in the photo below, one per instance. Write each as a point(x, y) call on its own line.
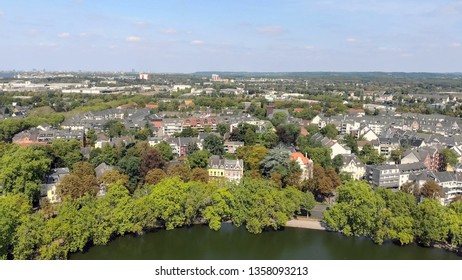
point(232, 36)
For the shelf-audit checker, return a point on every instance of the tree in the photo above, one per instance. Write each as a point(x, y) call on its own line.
point(13, 208)
point(279, 118)
point(192, 147)
point(80, 182)
point(91, 137)
point(250, 137)
point(288, 133)
point(320, 155)
point(238, 133)
point(432, 222)
point(188, 132)
point(312, 128)
point(431, 189)
point(369, 155)
point(150, 159)
point(143, 134)
point(396, 156)
point(276, 159)
point(410, 188)
point(66, 152)
point(355, 212)
point(269, 139)
point(200, 175)
point(115, 128)
point(214, 144)
point(337, 163)
point(223, 128)
point(154, 176)
point(165, 150)
point(330, 131)
point(114, 177)
point(351, 143)
point(324, 182)
point(449, 157)
point(252, 156)
point(180, 170)
point(22, 171)
point(198, 159)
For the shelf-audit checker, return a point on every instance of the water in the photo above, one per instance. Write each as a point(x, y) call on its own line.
point(201, 243)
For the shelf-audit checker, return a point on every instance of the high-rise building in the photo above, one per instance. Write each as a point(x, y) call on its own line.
point(144, 76)
point(215, 77)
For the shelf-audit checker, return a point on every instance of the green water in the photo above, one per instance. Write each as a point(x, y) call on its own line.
point(201, 243)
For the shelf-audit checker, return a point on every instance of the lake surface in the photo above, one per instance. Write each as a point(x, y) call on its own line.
point(232, 243)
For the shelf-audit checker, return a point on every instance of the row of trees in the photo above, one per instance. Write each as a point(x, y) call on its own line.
point(386, 215)
point(88, 220)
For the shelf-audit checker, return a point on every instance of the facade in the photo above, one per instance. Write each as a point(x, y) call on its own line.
point(386, 176)
point(48, 189)
point(353, 166)
point(231, 146)
point(232, 170)
point(428, 156)
point(306, 165)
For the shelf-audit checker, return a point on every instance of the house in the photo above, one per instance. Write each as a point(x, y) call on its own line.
point(429, 156)
point(100, 170)
point(353, 166)
point(232, 170)
point(368, 134)
point(336, 148)
point(386, 176)
point(306, 165)
point(231, 146)
point(48, 188)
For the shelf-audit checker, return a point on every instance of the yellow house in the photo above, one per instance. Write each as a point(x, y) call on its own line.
point(232, 170)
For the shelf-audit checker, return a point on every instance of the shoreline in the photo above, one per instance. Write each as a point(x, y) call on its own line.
point(306, 223)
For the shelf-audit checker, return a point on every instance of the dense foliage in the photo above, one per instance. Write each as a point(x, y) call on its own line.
point(386, 215)
point(85, 220)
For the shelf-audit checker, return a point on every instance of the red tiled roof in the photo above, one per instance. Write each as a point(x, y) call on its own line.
point(295, 156)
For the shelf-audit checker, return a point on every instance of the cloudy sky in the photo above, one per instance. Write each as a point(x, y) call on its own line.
point(232, 35)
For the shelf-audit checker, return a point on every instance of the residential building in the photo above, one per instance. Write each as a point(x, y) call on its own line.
point(48, 188)
point(306, 165)
point(232, 170)
point(231, 146)
point(386, 176)
point(353, 166)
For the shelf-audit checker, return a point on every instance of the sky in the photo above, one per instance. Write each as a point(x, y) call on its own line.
point(232, 35)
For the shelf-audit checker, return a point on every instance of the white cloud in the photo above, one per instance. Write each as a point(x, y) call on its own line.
point(455, 45)
point(83, 34)
point(270, 29)
point(64, 35)
point(169, 31)
point(48, 45)
point(197, 42)
point(2, 13)
point(308, 47)
point(134, 39)
point(142, 24)
point(351, 40)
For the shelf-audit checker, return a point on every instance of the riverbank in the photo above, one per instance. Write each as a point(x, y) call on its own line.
point(303, 222)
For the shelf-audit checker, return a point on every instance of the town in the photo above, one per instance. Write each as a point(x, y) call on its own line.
point(68, 135)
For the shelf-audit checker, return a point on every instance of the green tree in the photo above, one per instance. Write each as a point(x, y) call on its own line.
point(432, 224)
point(337, 163)
point(91, 137)
point(223, 128)
point(198, 159)
point(250, 137)
point(279, 118)
point(269, 139)
point(66, 152)
point(199, 175)
point(165, 149)
point(13, 209)
point(369, 155)
point(192, 147)
point(214, 144)
point(449, 157)
point(251, 156)
point(330, 131)
point(22, 171)
point(288, 133)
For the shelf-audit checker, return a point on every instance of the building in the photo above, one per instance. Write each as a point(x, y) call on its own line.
point(144, 76)
point(48, 189)
point(306, 165)
point(353, 166)
point(386, 176)
point(232, 170)
point(232, 146)
point(428, 156)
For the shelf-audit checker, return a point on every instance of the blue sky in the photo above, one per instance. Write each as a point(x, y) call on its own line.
point(221, 35)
